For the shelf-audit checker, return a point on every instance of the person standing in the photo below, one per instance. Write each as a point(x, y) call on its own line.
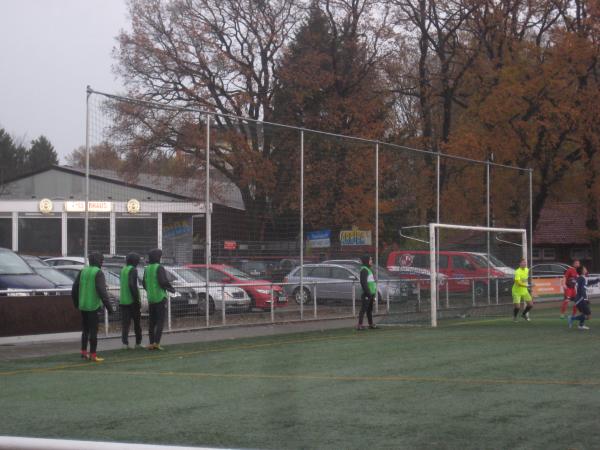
point(520, 291)
point(569, 288)
point(369, 291)
point(581, 300)
point(89, 294)
point(129, 301)
point(156, 284)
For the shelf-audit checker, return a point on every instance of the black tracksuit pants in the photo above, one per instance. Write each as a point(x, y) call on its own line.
point(89, 330)
point(367, 306)
point(129, 312)
point(157, 321)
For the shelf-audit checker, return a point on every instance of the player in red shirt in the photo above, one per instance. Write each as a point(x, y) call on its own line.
point(569, 288)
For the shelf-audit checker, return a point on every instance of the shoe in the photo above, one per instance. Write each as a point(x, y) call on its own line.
point(158, 347)
point(373, 327)
point(570, 321)
point(85, 355)
point(96, 358)
point(583, 327)
point(126, 347)
point(151, 347)
point(526, 317)
point(139, 346)
point(360, 327)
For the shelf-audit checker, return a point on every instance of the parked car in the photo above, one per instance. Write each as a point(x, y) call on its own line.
point(257, 269)
point(60, 280)
point(464, 271)
point(553, 269)
point(408, 287)
point(17, 278)
point(259, 291)
point(495, 263)
point(183, 301)
point(65, 261)
point(334, 282)
point(236, 299)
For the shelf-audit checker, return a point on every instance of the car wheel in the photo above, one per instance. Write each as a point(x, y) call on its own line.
point(252, 304)
point(299, 298)
point(202, 303)
point(480, 289)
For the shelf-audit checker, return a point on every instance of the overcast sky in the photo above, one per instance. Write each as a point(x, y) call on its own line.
point(50, 51)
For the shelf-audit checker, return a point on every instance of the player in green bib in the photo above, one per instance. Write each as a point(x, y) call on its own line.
point(369, 288)
point(520, 291)
point(129, 301)
point(156, 285)
point(89, 294)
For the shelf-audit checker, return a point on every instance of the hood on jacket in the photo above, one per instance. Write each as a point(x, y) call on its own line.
point(133, 259)
point(154, 256)
point(95, 259)
point(365, 260)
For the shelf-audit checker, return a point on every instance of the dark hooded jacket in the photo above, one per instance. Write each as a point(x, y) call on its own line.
point(364, 275)
point(94, 259)
point(161, 274)
point(133, 259)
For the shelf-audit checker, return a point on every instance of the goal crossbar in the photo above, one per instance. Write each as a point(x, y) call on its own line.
point(433, 256)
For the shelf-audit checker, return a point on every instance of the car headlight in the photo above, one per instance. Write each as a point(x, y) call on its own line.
point(265, 291)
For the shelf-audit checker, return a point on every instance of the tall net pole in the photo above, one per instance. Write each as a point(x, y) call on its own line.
point(208, 240)
point(301, 224)
point(87, 174)
point(377, 226)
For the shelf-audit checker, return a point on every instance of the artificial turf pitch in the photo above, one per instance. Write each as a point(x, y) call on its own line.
point(487, 384)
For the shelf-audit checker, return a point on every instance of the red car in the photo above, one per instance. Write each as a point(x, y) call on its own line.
point(258, 290)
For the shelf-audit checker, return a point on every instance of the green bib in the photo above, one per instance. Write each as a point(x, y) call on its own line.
point(156, 294)
point(125, 297)
point(89, 300)
point(370, 281)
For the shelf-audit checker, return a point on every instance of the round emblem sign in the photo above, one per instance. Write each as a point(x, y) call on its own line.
point(133, 206)
point(46, 206)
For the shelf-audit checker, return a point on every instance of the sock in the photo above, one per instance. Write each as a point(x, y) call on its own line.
point(580, 317)
point(516, 312)
point(527, 309)
point(92, 355)
point(563, 307)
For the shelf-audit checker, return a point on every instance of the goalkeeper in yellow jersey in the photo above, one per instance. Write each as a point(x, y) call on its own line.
point(520, 291)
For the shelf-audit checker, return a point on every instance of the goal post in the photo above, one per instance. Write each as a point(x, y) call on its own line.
point(435, 251)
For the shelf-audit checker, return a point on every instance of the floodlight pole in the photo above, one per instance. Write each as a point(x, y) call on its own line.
point(208, 248)
point(87, 175)
point(488, 224)
point(301, 224)
point(530, 259)
point(377, 229)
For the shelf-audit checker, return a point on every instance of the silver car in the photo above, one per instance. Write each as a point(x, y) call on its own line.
point(335, 282)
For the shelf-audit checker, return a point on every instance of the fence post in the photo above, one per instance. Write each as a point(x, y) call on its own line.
point(496, 291)
point(447, 295)
point(105, 322)
point(388, 299)
point(353, 299)
point(473, 290)
point(272, 305)
point(223, 312)
point(169, 312)
point(315, 302)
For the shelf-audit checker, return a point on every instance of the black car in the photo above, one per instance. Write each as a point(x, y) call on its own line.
point(553, 269)
point(16, 275)
point(60, 280)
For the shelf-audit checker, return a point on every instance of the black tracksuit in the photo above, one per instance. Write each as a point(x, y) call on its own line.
point(133, 311)
point(89, 319)
point(157, 311)
point(367, 299)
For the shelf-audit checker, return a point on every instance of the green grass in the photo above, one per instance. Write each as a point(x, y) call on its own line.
point(466, 385)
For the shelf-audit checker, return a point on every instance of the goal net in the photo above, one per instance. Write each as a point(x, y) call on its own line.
point(455, 271)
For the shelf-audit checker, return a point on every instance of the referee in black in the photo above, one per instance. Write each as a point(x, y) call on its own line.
point(369, 291)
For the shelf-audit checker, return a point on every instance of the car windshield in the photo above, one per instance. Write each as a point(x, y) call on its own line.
point(53, 275)
point(189, 275)
point(237, 273)
point(483, 260)
point(13, 264)
point(35, 262)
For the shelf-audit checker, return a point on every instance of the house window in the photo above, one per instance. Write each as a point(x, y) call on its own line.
point(536, 254)
point(6, 232)
point(581, 253)
point(548, 254)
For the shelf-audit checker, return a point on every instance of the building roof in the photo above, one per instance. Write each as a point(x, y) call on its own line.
point(562, 223)
point(222, 190)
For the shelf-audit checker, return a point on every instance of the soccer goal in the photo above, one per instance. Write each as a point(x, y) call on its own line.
point(455, 271)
